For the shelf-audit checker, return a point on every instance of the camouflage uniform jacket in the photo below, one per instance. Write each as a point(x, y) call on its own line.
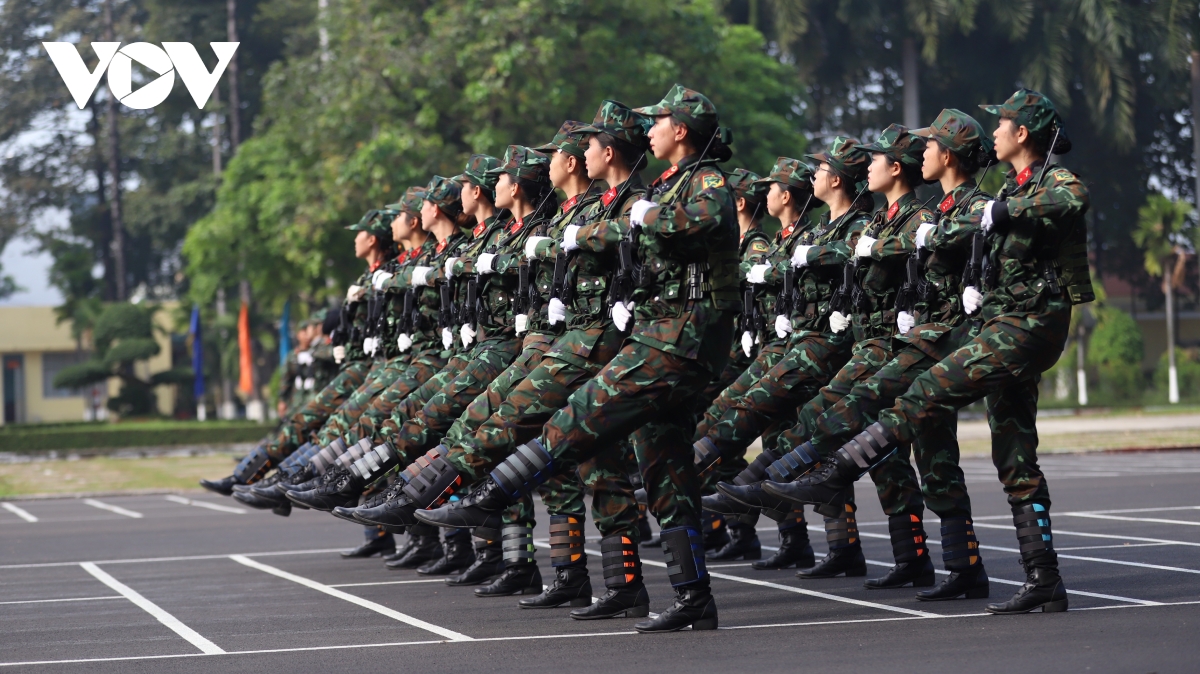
point(291, 380)
point(574, 211)
point(422, 325)
point(1041, 222)
point(355, 317)
point(502, 291)
point(821, 276)
point(324, 367)
point(949, 246)
point(880, 276)
point(490, 299)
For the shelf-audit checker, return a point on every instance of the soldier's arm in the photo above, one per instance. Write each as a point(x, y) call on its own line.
point(956, 233)
point(903, 242)
point(704, 210)
point(756, 253)
point(1061, 195)
point(600, 235)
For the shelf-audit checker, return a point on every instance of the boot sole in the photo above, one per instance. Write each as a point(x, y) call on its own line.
point(578, 602)
point(923, 581)
point(1056, 606)
point(705, 624)
point(973, 593)
point(635, 612)
point(528, 590)
point(852, 573)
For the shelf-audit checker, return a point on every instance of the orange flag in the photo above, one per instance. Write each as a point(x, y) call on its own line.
point(245, 352)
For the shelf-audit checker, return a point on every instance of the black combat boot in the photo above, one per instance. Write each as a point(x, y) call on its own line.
point(828, 483)
point(694, 605)
point(362, 465)
point(845, 549)
point(747, 488)
point(524, 470)
point(1043, 586)
point(743, 543)
point(911, 553)
point(250, 469)
point(310, 472)
point(458, 555)
point(571, 583)
point(378, 545)
point(521, 574)
point(429, 481)
point(489, 562)
point(625, 595)
point(960, 554)
point(794, 547)
point(424, 547)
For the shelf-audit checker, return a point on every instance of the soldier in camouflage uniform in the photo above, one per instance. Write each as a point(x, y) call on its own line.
point(684, 301)
point(1034, 239)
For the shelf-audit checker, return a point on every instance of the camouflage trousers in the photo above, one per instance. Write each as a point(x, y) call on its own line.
point(379, 378)
point(1002, 365)
point(414, 401)
point(519, 417)
point(421, 368)
point(312, 416)
point(653, 395)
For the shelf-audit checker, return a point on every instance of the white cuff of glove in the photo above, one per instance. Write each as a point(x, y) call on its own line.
point(923, 232)
point(368, 346)
point(747, 343)
point(783, 325)
point(758, 273)
point(556, 311)
point(447, 338)
point(450, 268)
point(637, 213)
point(403, 342)
point(621, 313)
point(339, 354)
point(570, 233)
point(905, 322)
point(298, 382)
point(838, 321)
point(309, 383)
point(355, 293)
point(987, 221)
point(800, 256)
point(972, 299)
point(863, 248)
point(420, 276)
point(378, 278)
point(467, 333)
point(304, 357)
point(486, 264)
point(531, 245)
point(522, 323)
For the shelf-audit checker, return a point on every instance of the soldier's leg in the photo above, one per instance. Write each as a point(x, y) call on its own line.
point(767, 358)
point(414, 401)
point(344, 424)
point(563, 497)
point(416, 372)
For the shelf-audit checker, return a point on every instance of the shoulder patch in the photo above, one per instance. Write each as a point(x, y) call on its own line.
point(712, 181)
point(1062, 174)
point(925, 216)
point(759, 246)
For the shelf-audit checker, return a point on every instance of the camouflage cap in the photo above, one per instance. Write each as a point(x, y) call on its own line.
point(748, 185)
point(317, 318)
point(523, 162)
point(898, 144)
point(622, 122)
point(1034, 111)
point(688, 106)
point(409, 203)
point(478, 172)
point(571, 138)
point(374, 224)
point(444, 193)
point(845, 156)
point(791, 172)
point(956, 131)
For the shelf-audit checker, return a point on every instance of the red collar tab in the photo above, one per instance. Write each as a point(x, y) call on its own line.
point(569, 203)
point(402, 257)
point(376, 264)
point(442, 246)
point(1024, 176)
point(666, 175)
point(516, 226)
point(946, 204)
point(787, 231)
point(893, 210)
point(610, 195)
point(479, 228)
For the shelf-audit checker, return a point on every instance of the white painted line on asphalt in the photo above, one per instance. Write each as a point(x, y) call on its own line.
point(1126, 511)
point(345, 596)
point(171, 622)
point(18, 511)
point(1085, 534)
point(201, 504)
point(185, 558)
point(1119, 518)
point(390, 582)
point(112, 508)
point(1112, 547)
point(48, 601)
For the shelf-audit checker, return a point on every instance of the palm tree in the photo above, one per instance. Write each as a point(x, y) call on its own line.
point(1159, 234)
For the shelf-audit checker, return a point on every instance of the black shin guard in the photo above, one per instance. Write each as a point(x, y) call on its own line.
point(1043, 586)
point(251, 468)
point(566, 540)
point(845, 549)
point(960, 554)
point(707, 456)
point(435, 481)
point(793, 464)
point(910, 552)
point(524, 470)
point(683, 548)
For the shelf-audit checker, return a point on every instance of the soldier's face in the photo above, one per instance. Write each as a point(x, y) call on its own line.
point(469, 195)
point(777, 198)
point(560, 168)
point(665, 136)
point(1009, 138)
point(822, 182)
point(596, 158)
point(882, 174)
point(363, 243)
point(506, 192)
point(934, 160)
point(429, 213)
point(402, 227)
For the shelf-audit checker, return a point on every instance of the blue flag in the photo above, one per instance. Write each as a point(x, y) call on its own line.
point(285, 334)
point(197, 353)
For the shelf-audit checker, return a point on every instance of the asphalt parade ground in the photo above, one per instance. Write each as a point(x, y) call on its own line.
point(183, 584)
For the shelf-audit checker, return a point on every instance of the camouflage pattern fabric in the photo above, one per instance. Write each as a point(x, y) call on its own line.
point(312, 416)
point(421, 367)
point(379, 377)
point(411, 404)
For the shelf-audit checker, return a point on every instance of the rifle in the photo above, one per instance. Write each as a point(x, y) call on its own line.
point(523, 297)
point(407, 319)
point(446, 317)
point(469, 315)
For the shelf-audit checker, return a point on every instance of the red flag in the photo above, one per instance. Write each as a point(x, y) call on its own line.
point(245, 352)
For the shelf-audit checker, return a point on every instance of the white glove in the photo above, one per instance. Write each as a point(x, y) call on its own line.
point(905, 322)
point(339, 354)
point(972, 299)
point(570, 232)
point(638, 212)
point(557, 311)
point(450, 267)
point(467, 333)
point(403, 342)
point(987, 222)
point(838, 321)
point(747, 343)
point(309, 383)
point(447, 338)
point(304, 357)
point(369, 346)
point(420, 276)
point(531, 246)
point(522, 321)
point(378, 278)
point(621, 313)
point(355, 293)
point(758, 273)
point(783, 325)
point(863, 249)
point(922, 232)
point(486, 264)
point(298, 382)
point(800, 256)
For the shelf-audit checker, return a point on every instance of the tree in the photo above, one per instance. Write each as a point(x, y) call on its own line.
point(123, 335)
point(1159, 234)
